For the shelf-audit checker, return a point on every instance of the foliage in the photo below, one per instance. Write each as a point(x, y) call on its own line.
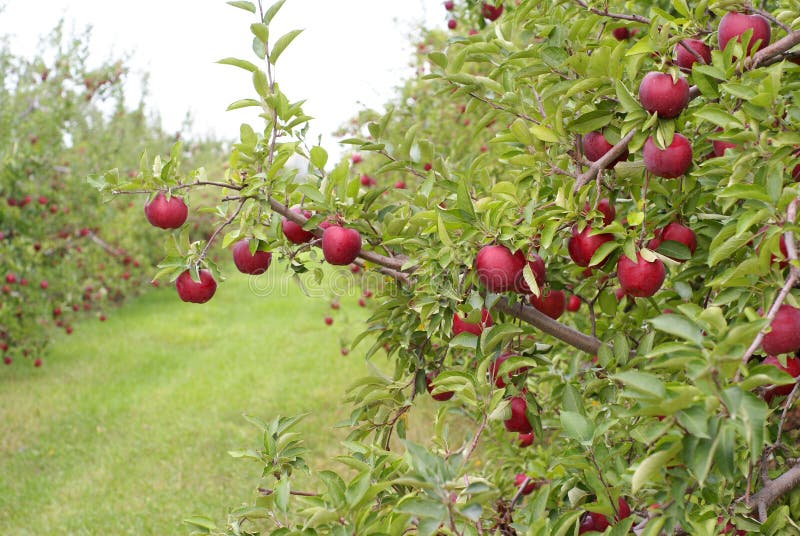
point(651, 402)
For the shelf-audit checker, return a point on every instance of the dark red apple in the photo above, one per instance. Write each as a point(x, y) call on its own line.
point(461, 326)
point(733, 25)
point(685, 59)
point(552, 304)
point(662, 95)
point(539, 274)
point(581, 246)
point(676, 233)
point(605, 207)
point(166, 213)
point(451, 24)
point(595, 145)
point(340, 245)
point(448, 5)
point(246, 263)
point(494, 369)
point(520, 479)
point(525, 440)
point(498, 269)
point(621, 34)
point(792, 368)
point(640, 279)
point(518, 422)
point(441, 397)
point(294, 232)
point(490, 12)
point(193, 291)
point(784, 336)
point(671, 162)
point(328, 321)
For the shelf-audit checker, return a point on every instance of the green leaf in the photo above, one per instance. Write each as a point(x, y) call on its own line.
point(281, 44)
point(648, 467)
point(319, 157)
point(544, 133)
point(236, 62)
point(270, 13)
point(678, 326)
point(577, 427)
point(247, 6)
point(642, 382)
point(243, 103)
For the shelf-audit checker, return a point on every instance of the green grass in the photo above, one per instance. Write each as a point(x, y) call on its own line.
point(126, 427)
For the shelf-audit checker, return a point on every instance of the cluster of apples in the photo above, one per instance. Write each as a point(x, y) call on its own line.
point(489, 11)
point(340, 245)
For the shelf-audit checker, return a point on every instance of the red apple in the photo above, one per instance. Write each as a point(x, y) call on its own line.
point(294, 232)
point(621, 33)
point(441, 397)
point(676, 233)
point(193, 291)
point(792, 368)
point(595, 145)
point(494, 369)
point(573, 304)
point(581, 246)
point(340, 245)
point(525, 440)
point(7, 360)
point(659, 94)
point(451, 24)
point(520, 479)
point(539, 274)
point(552, 304)
point(328, 321)
point(37, 363)
point(448, 5)
point(605, 207)
point(400, 185)
point(356, 158)
point(733, 25)
point(671, 162)
point(518, 422)
point(498, 269)
point(641, 278)
point(166, 213)
point(461, 326)
point(246, 263)
point(491, 12)
point(685, 59)
point(361, 302)
point(784, 336)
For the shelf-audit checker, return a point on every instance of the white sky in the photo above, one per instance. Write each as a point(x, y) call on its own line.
point(351, 54)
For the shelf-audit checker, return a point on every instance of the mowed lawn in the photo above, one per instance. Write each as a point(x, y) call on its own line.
point(126, 427)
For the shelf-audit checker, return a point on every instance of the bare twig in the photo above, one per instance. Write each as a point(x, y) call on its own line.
point(619, 16)
point(604, 161)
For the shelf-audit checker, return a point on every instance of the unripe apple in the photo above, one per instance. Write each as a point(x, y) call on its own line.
point(166, 213)
point(518, 422)
point(595, 145)
point(733, 25)
point(640, 279)
point(294, 232)
point(539, 274)
point(552, 304)
point(246, 263)
point(659, 94)
point(340, 245)
point(685, 59)
point(529, 488)
point(498, 269)
point(461, 326)
point(581, 246)
point(670, 162)
point(195, 291)
point(441, 397)
point(784, 336)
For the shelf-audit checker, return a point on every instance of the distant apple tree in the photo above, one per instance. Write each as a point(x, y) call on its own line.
point(584, 216)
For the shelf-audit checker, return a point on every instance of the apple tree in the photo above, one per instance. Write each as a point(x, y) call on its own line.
point(582, 217)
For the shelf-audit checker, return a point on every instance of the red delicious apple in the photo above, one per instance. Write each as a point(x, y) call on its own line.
point(573, 304)
point(525, 440)
point(520, 479)
point(460, 326)
point(250, 264)
point(451, 24)
point(671, 162)
point(605, 207)
point(491, 12)
point(427, 167)
point(595, 145)
point(448, 5)
point(294, 232)
point(640, 279)
point(494, 369)
point(685, 59)
point(498, 269)
point(733, 25)
point(537, 267)
point(328, 321)
point(581, 246)
point(340, 245)
point(193, 291)
point(676, 233)
point(792, 368)
point(166, 213)
point(659, 94)
point(552, 304)
point(518, 422)
point(441, 397)
point(785, 334)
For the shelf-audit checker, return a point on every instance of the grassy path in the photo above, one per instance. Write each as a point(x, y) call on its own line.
point(126, 427)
